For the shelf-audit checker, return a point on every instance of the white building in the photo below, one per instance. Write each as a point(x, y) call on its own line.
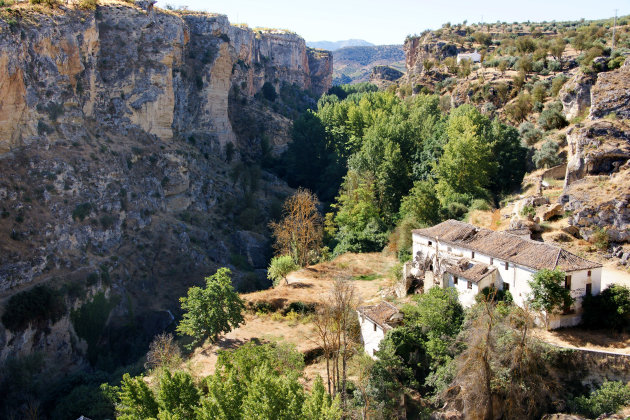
point(473, 57)
point(375, 321)
point(460, 255)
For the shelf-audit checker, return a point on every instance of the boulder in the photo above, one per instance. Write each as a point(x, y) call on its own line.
point(572, 230)
point(553, 211)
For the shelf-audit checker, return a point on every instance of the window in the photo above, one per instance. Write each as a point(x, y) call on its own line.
point(567, 282)
point(589, 289)
point(472, 254)
point(469, 285)
point(454, 279)
point(589, 273)
point(374, 327)
point(491, 260)
point(506, 286)
point(507, 265)
point(430, 243)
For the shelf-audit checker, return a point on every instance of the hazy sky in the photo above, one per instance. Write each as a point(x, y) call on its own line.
point(390, 21)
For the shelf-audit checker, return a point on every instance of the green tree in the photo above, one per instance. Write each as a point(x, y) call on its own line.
point(510, 156)
point(279, 269)
point(271, 397)
point(467, 165)
point(608, 398)
point(552, 117)
point(549, 294)
point(422, 203)
point(177, 396)
point(557, 49)
point(319, 406)
point(609, 309)
point(213, 310)
point(135, 399)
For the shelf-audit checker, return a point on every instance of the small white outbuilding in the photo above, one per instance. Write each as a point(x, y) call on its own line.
point(473, 57)
point(375, 321)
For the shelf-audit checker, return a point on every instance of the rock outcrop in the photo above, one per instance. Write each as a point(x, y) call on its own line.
point(598, 147)
point(611, 94)
point(419, 49)
point(575, 95)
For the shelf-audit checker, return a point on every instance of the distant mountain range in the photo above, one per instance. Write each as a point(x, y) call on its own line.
point(354, 64)
point(335, 45)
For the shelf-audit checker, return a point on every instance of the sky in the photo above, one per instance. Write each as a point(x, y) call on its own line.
point(390, 21)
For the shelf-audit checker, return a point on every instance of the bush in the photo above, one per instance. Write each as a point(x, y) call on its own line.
point(607, 399)
point(269, 92)
point(81, 211)
point(609, 309)
point(38, 305)
point(528, 211)
point(529, 133)
point(552, 117)
point(547, 156)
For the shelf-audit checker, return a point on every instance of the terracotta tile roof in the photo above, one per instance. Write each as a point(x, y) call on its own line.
point(505, 246)
point(469, 270)
point(382, 314)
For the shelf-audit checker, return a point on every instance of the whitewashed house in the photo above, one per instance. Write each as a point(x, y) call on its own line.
point(469, 258)
point(473, 57)
point(375, 321)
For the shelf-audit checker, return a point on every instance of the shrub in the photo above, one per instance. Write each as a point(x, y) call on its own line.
point(552, 117)
point(609, 309)
point(528, 211)
point(600, 239)
point(607, 399)
point(547, 156)
point(38, 305)
point(269, 92)
point(529, 133)
point(81, 211)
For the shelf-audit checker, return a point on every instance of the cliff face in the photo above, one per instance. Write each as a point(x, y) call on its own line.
point(598, 172)
point(127, 68)
point(419, 49)
point(117, 169)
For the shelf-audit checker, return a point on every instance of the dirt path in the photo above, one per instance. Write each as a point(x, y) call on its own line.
point(583, 339)
point(612, 275)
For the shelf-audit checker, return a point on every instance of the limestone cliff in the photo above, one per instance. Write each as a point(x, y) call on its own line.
point(127, 68)
point(120, 136)
point(598, 173)
point(426, 47)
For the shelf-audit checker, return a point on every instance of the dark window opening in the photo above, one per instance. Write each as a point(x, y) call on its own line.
point(589, 289)
point(589, 273)
point(507, 265)
point(567, 282)
point(472, 254)
point(430, 243)
point(491, 260)
point(469, 285)
point(454, 279)
point(506, 286)
point(374, 327)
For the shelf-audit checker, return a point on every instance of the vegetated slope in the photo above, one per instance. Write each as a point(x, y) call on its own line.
point(566, 88)
point(335, 45)
point(354, 64)
point(135, 150)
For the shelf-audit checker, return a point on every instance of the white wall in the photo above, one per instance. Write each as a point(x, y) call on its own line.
point(515, 276)
point(371, 338)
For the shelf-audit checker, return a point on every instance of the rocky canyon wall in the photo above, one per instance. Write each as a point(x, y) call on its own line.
point(120, 135)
